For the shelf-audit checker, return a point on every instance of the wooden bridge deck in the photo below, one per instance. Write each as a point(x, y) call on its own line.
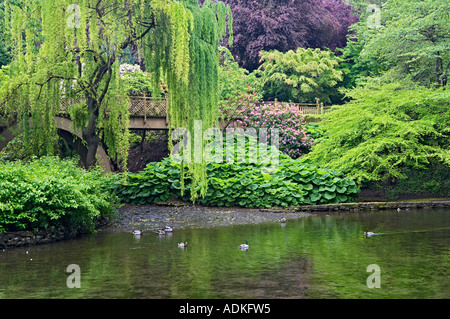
point(147, 113)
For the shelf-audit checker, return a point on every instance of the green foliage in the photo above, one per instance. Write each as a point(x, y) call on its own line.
point(296, 182)
point(5, 48)
point(183, 49)
point(14, 150)
point(299, 76)
point(413, 40)
point(242, 183)
point(355, 67)
point(238, 88)
point(47, 193)
point(138, 82)
point(315, 131)
point(430, 182)
point(76, 55)
point(53, 59)
point(4, 56)
point(385, 129)
point(3, 75)
point(152, 185)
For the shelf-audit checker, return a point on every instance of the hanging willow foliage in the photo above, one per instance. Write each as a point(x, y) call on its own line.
point(183, 49)
point(69, 49)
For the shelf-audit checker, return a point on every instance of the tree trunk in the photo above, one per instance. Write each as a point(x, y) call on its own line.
point(142, 140)
point(89, 133)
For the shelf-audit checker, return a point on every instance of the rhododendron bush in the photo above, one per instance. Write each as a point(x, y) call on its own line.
point(294, 139)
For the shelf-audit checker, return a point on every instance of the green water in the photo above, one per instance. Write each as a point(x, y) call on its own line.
point(313, 257)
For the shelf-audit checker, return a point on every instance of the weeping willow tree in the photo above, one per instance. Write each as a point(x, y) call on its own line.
point(67, 51)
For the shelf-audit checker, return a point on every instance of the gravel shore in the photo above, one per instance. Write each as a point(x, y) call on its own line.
point(153, 217)
point(184, 215)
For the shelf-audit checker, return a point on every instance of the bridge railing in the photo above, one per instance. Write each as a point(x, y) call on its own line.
point(233, 111)
point(148, 106)
point(142, 106)
point(317, 108)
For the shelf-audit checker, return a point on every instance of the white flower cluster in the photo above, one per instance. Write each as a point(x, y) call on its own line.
point(128, 68)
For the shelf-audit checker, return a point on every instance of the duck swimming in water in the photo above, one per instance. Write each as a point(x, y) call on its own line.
point(168, 229)
point(182, 245)
point(137, 232)
point(282, 220)
point(369, 234)
point(160, 232)
point(244, 246)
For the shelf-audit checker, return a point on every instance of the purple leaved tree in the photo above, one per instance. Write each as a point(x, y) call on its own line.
point(286, 25)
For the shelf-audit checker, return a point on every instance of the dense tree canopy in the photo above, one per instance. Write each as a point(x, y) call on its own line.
point(395, 122)
point(286, 25)
point(413, 40)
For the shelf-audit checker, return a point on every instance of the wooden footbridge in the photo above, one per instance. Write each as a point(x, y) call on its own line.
point(146, 113)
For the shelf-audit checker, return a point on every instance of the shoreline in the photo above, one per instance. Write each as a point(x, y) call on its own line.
point(187, 215)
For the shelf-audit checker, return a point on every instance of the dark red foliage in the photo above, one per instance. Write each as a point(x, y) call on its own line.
point(286, 25)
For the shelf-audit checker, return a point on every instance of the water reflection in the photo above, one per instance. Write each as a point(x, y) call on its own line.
point(314, 257)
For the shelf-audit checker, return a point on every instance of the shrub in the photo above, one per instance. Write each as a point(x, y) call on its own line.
point(138, 82)
point(295, 182)
point(238, 88)
point(386, 130)
point(431, 182)
point(48, 193)
point(300, 76)
point(295, 141)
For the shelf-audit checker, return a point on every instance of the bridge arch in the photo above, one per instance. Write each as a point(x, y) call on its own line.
point(64, 125)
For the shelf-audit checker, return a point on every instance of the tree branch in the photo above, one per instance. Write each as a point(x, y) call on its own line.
point(49, 79)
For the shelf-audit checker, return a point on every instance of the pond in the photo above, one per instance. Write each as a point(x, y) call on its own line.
point(310, 257)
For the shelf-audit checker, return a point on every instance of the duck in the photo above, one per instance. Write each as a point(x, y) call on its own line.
point(398, 209)
point(244, 246)
point(282, 220)
point(137, 232)
point(160, 232)
point(182, 245)
point(168, 229)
